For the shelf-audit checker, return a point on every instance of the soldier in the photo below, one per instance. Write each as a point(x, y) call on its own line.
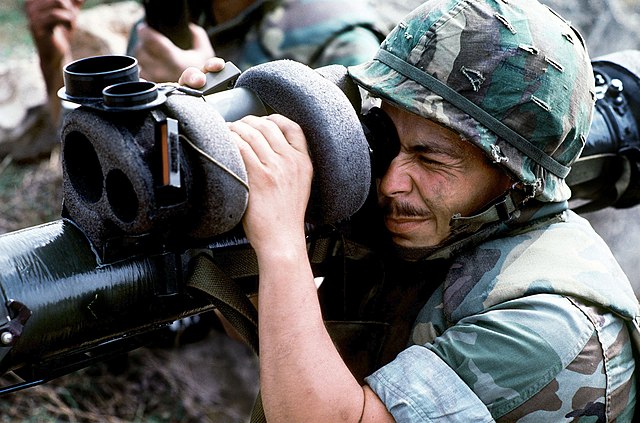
point(250, 32)
point(512, 306)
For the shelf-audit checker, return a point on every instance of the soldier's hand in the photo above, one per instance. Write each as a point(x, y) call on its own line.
point(195, 77)
point(274, 151)
point(162, 61)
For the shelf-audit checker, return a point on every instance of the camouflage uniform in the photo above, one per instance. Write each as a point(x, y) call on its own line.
point(511, 72)
point(316, 33)
point(313, 32)
point(532, 325)
point(534, 321)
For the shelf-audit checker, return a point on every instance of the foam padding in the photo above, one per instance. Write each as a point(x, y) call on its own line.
point(339, 76)
point(220, 189)
point(106, 182)
point(337, 144)
point(109, 185)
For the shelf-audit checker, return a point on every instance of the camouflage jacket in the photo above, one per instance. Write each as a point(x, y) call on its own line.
point(313, 32)
point(530, 327)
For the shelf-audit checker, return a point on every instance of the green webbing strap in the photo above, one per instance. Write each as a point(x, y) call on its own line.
point(257, 413)
point(233, 304)
point(473, 110)
point(600, 180)
point(237, 262)
point(501, 211)
point(590, 169)
point(227, 297)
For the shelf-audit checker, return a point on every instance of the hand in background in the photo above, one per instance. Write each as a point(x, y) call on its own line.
point(162, 61)
point(52, 23)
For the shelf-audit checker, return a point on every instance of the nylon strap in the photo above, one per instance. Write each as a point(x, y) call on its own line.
point(234, 305)
point(499, 212)
point(473, 110)
point(230, 299)
point(227, 297)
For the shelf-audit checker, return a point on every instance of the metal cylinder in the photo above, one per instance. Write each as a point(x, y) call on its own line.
point(69, 301)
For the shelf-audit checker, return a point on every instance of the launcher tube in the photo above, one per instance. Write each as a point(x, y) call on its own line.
point(69, 301)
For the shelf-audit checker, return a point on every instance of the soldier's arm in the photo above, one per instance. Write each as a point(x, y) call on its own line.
point(302, 376)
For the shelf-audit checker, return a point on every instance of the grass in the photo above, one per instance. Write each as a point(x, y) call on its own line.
point(154, 385)
point(30, 193)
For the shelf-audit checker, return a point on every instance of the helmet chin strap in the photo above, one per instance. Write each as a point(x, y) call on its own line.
point(501, 210)
point(471, 230)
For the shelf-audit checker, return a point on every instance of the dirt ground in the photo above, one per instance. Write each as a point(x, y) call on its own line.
point(213, 380)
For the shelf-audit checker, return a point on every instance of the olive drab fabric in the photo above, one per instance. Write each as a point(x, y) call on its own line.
point(510, 76)
point(535, 324)
point(549, 281)
point(313, 32)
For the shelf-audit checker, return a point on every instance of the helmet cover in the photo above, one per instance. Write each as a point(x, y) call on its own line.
point(510, 76)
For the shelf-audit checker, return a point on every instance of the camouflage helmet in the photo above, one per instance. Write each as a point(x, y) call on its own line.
point(511, 76)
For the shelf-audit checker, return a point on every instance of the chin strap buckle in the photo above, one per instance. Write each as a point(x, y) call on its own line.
point(500, 211)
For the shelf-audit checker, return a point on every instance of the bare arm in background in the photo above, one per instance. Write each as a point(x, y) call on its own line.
point(52, 24)
point(160, 60)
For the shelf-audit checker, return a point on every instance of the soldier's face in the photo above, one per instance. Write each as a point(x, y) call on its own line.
point(435, 175)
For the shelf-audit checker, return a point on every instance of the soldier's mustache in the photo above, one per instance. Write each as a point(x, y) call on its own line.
point(403, 209)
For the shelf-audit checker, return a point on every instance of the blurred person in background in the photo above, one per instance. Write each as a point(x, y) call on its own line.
point(52, 24)
point(246, 32)
point(250, 32)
